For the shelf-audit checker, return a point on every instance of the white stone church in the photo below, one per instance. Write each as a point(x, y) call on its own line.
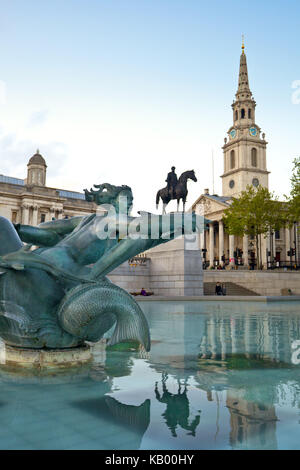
point(245, 164)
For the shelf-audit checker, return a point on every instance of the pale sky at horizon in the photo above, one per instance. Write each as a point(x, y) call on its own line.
point(119, 91)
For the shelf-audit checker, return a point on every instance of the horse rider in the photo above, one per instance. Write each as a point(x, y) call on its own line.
point(172, 181)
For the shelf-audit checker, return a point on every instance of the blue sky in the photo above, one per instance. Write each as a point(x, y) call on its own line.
point(121, 90)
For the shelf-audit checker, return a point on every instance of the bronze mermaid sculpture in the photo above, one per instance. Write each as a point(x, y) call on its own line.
point(54, 292)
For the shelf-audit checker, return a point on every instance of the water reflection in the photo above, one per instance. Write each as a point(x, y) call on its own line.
point(246, 355)
point(178, 411)
point(131, 420)
point(252, 424)
point(234, 366)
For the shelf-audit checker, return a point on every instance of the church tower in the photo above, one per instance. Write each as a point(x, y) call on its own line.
point(245, 148)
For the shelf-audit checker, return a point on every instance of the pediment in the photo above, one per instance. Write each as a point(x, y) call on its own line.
point(209, 204)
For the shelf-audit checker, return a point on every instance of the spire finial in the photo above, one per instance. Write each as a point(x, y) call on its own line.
point(243, 44)
point(37, 151)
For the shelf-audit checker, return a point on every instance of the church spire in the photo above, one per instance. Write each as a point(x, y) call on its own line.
point(243, 91)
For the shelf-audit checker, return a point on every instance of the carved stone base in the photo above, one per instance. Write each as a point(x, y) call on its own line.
point(45, 358)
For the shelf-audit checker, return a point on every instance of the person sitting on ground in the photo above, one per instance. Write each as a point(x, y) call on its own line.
point(218, 289)
point(143, 292)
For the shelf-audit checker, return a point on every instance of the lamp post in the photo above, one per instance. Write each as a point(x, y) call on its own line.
point(272, 248)
point(295, 242)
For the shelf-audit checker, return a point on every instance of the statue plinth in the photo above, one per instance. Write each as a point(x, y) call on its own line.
point(176, 268)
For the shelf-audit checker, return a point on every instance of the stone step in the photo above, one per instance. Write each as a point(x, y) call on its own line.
point(231, 289)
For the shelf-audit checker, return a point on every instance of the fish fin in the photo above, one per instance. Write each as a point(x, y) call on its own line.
point(134, 329)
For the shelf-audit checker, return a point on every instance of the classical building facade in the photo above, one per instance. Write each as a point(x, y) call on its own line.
point(245, 163)
point(29, 201)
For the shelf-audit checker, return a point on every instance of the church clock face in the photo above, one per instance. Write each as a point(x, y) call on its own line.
point(253, 131)
point(255, 182)
point(233, 133)
point(231, 184)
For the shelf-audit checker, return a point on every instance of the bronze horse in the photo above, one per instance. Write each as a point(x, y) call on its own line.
point(180, 191)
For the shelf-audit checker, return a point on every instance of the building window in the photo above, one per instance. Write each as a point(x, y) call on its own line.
point(43, 218)
point(243, 114)
point(249, 113)
point(232, 159)
point(14, 216)
point(277, 234)
point(253, 157)
point(236, 116)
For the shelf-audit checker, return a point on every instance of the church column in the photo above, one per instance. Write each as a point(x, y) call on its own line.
point(35, 216)
point(245, 250)
point(211, 244)
point(52, 213)
point(231, 250)
point(221, 242)
point(48, 217)
point(25, 214)
point(60, 214)
point(264, 250)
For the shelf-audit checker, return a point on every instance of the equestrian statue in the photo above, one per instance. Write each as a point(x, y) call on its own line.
point(175, 189)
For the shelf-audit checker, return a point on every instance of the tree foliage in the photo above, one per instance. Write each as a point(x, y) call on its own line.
point(293, 208)
point(254, 213)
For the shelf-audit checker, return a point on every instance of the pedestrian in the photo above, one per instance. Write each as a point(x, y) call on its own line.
point(224, 289)
point(218, 289)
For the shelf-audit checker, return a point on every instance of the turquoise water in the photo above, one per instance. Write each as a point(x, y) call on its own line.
point(220, 375)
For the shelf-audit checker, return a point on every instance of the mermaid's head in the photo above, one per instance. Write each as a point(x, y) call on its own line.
point(118, 196)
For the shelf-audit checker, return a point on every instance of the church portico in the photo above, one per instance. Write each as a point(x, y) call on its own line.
point(220, 249)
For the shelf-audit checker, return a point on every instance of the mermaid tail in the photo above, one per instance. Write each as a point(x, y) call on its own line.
point(88, 311)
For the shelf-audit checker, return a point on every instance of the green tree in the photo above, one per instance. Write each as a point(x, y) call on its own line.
point(254, 213)
point(293, 207)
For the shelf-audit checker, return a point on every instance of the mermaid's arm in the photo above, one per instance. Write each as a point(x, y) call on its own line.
point(62, 226)
point(47, 233)
point(130, 247)
point(36, 235)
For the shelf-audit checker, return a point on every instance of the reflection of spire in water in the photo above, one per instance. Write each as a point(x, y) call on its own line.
point(178, 410)
point(253, 425)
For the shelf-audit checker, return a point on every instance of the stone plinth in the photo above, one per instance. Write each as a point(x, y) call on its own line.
point(176, 267)
point(45, 358)
point(131, 278)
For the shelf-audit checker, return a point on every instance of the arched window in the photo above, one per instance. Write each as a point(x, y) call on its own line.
point(253, 157)
point(232, 159)
point(242, 113)
point(249, 113)
point(236, 116)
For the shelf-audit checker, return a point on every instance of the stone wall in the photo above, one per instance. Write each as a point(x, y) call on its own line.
point(132, 278)
point(264, 283)
point(172, 269)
